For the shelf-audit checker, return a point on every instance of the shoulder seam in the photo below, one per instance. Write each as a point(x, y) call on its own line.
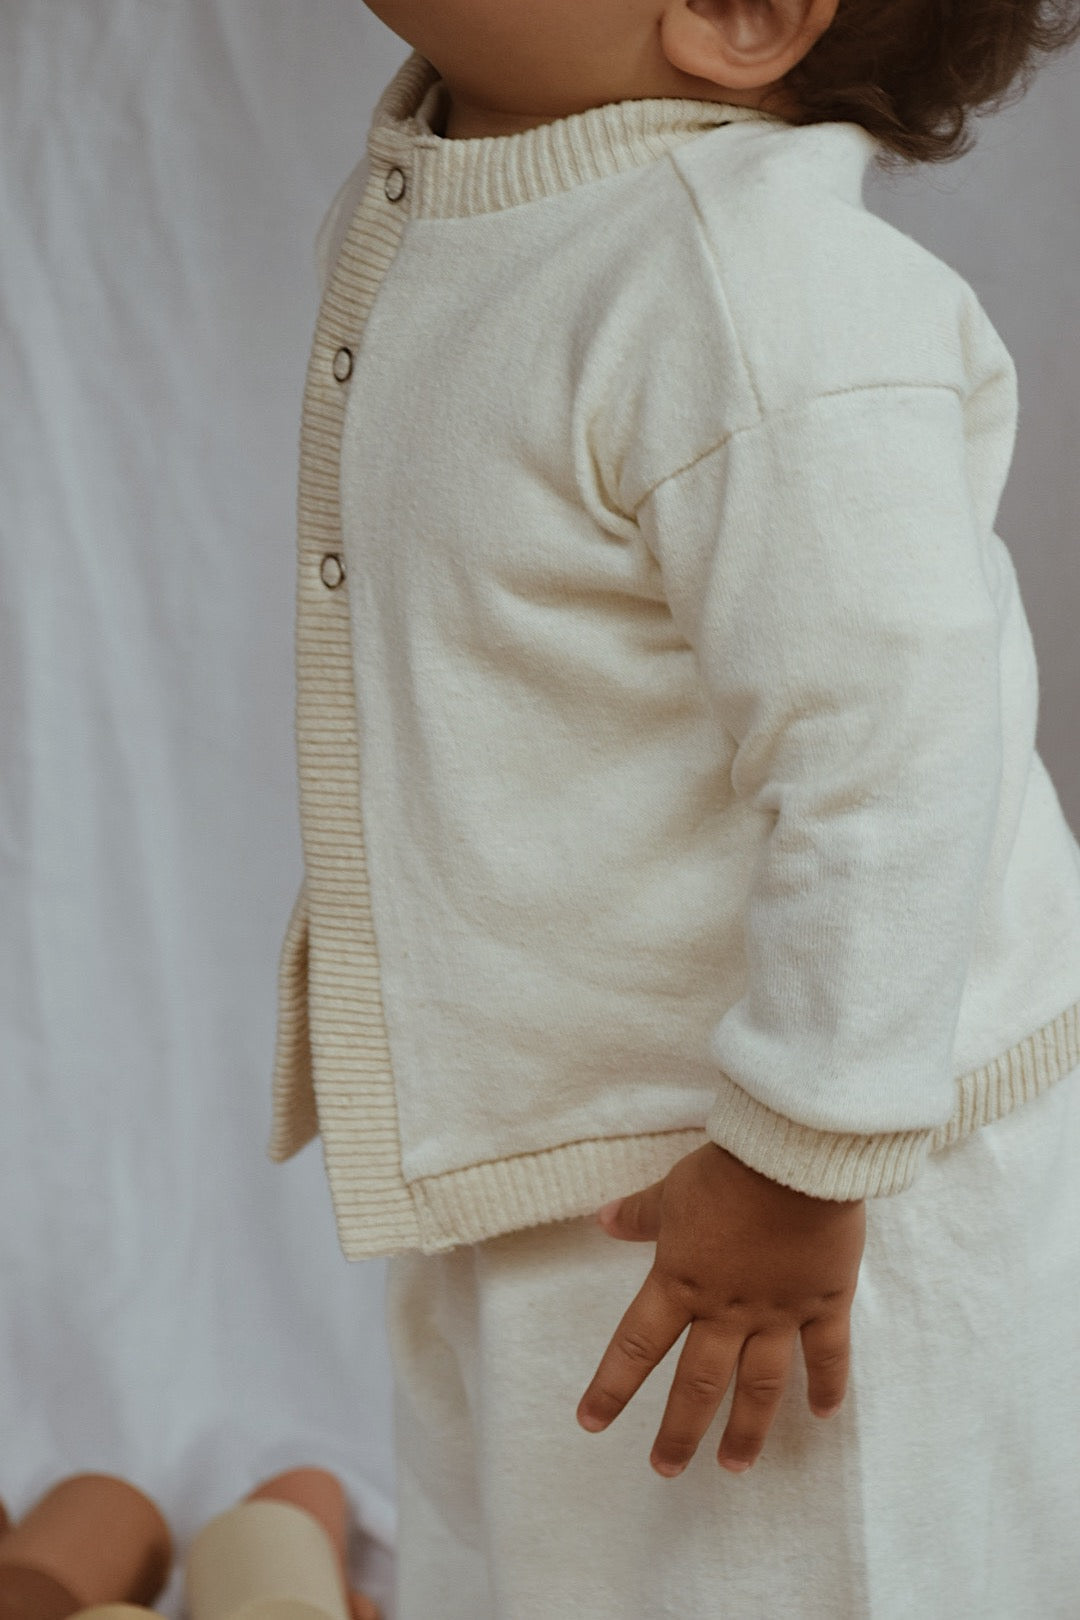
point(812, 399)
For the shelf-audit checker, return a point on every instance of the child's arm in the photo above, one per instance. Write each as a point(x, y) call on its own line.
point(838, 589)
point(837, 586)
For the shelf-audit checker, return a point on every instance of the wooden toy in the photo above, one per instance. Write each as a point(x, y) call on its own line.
point(92, 1539)
point(264, 1560)
point(321, 1494)
point(118, 1611)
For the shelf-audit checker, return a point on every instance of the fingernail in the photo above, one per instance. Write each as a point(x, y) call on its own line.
point(607, 1211)
point(734, 1467)
point(593, 1424)
point(826, 1411)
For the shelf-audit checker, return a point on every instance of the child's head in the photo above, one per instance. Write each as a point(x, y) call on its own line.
point(909, 71)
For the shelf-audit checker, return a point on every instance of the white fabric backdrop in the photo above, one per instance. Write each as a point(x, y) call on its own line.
point(174, 1308)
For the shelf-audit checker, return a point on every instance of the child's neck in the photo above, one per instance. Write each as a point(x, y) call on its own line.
point(470, 120)
point(467, 120)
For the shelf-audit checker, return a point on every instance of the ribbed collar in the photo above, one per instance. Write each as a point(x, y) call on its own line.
point(451, 179)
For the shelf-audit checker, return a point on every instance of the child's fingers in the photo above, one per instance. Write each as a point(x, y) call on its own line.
point(702, 1376)
point(826, 1343)
point(646, 1333)
point(759, 1388)
point(636, 1217)
point(361, 1607)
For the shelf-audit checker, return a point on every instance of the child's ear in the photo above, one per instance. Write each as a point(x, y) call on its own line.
point(741, 44)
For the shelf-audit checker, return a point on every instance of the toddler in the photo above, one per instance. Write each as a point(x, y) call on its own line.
point(689, 940)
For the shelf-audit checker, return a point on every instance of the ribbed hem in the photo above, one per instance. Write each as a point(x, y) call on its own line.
point(465, 1206)
point(458, 178)
point(378, 1213)
point(503, 1195)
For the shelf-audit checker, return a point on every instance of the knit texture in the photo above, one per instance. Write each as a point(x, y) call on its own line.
point(665, 702)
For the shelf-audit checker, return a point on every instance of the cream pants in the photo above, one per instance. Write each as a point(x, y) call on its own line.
point(946, 1488)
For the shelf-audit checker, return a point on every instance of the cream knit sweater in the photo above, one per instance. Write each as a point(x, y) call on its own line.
point(666, 703)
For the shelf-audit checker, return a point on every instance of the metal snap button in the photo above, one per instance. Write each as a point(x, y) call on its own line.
point(332, 571)
point(395, 185)
point(343, 364)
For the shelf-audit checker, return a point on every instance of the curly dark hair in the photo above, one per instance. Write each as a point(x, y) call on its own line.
point(913, 72)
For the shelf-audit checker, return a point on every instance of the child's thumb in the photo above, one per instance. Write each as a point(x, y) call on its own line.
point(636, 1217)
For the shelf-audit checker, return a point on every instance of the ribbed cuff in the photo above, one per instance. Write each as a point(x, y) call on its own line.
point(841, 1165)
point(825, 1164)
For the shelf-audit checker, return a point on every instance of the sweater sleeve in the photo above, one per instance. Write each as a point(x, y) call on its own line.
point(827, 570)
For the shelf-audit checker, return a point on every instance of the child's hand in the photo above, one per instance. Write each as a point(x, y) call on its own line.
point(749, 1264)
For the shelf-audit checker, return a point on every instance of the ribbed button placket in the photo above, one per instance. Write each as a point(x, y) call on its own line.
point(332, 570)
point(357, 1105)
point(395, 187)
